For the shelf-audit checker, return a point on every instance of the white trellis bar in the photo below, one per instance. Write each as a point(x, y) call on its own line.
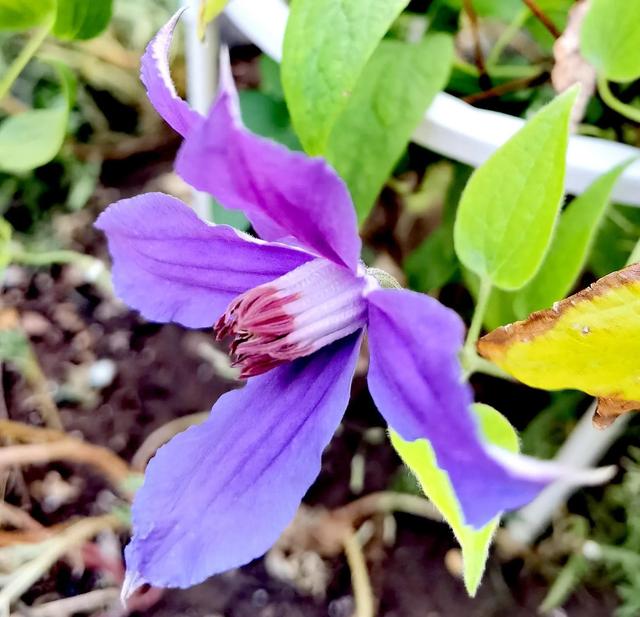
point(202, 71)
point(454, 128)
point(459, 131)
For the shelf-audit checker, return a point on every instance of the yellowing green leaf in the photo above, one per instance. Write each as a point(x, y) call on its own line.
point(587, 342)
point(419, 457)
point(570, 247)
point(326, 47)
point(610, 38)
point(396, 87)
point(508, 209)
point(24, 14)
point(209, 10)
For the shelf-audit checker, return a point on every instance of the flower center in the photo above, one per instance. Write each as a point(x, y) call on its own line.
point(293, 316)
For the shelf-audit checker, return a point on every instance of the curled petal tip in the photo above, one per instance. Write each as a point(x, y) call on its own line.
point(156, 77)
point(551, 471)
point(132, 582)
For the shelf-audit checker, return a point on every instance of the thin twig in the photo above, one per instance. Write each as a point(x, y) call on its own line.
point(543, 18)
point(506, 88)
point(477, 44)
point(18, 518)
point(33, 373)
point(19, 431)
point(56, 446)
point(37, 381)
point(161, 436)
point(31, 536)
point(52, 550)
point(84, 603)
point(384, 502)
point(72, 450)
point(360, 581)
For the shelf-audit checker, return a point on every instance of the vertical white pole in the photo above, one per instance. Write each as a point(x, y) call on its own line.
point(202, 76)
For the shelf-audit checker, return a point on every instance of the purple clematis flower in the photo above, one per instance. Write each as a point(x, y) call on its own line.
point(295, 305)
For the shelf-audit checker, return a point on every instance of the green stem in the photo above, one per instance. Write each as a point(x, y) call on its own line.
point(628, 111)
point(49, 257)
point(478, 317)
point(635, 254)
point(504, 71)
point(507, 36)
point(93, 267)
point(28, 51)
point(480, 365)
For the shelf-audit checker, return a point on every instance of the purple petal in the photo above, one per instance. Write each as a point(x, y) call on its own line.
point(171, 266)
point(219, 494)
point(415, 380)
point(156, 76)
point(283, 193)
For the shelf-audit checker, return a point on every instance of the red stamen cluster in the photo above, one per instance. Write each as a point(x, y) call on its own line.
point(258, 323)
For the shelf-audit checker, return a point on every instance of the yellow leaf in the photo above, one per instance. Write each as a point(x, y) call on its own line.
point(588, 342)
point(209, 10)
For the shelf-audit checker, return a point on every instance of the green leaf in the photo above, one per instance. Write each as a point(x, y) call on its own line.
point(508, 209)
point(81, 19)
point(326, 47)
point(270, 82)
point(570, 247)
point(433, 263)
point(499, 309)
point(33, 138)
point(6, 232)
point(566, 582)
point(616, 239)
point(383, 112)
point(267, 117)
point(610, 38)
point(419, 457)
point(18, 15)
point(209, 10)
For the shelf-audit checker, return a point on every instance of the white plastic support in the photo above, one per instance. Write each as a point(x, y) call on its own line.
point(202, 77)
point(584, 448)
point(456, 129)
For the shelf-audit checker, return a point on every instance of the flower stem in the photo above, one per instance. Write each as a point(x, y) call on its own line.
point(28, 51)
point(628, 111)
